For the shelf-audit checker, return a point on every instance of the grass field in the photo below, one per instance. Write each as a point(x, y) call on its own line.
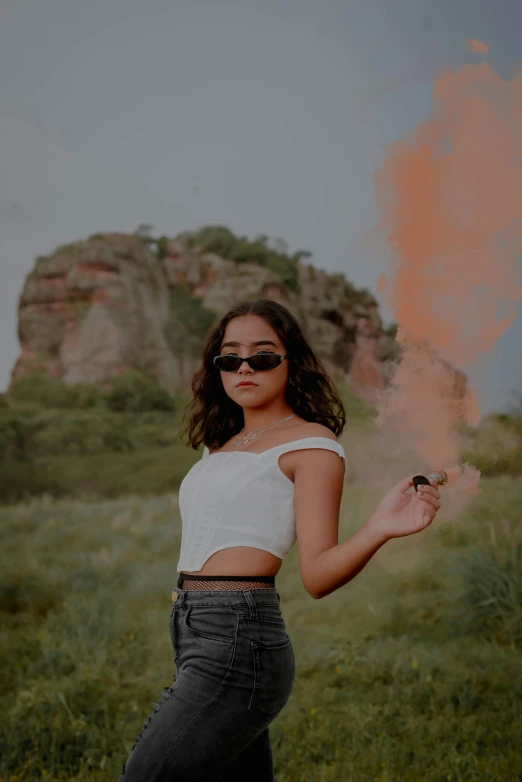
point(413, 671)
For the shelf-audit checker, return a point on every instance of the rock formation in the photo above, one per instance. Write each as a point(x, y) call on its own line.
point(97, 307)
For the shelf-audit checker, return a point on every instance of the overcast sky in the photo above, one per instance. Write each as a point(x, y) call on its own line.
point(269, 116)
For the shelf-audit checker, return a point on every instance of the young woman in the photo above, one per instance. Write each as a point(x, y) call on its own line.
point(272, 472)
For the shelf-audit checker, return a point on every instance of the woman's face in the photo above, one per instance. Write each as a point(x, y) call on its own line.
point(251, 334)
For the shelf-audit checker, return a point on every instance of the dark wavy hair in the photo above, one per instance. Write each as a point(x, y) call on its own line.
point(214, 417)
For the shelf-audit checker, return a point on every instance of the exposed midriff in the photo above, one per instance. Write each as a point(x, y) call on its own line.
point(240, 561)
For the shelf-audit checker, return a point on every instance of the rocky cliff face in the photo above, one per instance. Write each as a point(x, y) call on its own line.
point(95, 308)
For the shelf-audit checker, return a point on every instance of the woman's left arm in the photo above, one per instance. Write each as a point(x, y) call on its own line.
point(325, 564)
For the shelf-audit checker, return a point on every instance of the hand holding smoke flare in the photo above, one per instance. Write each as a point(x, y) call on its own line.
point(400, 514)
point(449, 197)
point(441, 478)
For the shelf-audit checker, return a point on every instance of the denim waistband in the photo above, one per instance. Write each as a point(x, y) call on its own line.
point(233, 598)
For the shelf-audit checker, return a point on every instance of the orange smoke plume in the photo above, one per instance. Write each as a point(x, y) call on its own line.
point(479, 47)
point(451, 207)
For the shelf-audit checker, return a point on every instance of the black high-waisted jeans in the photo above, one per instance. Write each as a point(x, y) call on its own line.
point(235, 670)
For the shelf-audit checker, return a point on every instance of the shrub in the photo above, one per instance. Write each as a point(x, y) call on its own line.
point(83, 396)
point(43, 390)
point(220, 240)
point(96, 451)
point(79, 432)
point(39, 388)
point(495, 446)
point(134, 392)
point(161, 246)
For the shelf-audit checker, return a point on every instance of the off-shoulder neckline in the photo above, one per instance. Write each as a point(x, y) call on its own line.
point(281, 445)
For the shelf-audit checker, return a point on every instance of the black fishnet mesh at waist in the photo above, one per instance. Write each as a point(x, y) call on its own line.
point(187, 583)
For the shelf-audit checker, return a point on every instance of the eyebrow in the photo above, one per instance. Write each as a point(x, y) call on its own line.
point(252, 344)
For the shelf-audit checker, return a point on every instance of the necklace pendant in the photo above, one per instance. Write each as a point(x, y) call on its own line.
point(247, 439)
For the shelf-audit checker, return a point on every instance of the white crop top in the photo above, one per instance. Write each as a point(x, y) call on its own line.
point(237, 498)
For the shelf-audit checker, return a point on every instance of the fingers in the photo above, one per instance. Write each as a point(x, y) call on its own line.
point(430, 496)
point(428, 490)
point(430, 502)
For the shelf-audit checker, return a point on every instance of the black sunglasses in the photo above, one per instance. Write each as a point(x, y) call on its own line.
point(259, 362)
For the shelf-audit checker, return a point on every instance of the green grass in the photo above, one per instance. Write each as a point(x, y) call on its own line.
point(412, 671)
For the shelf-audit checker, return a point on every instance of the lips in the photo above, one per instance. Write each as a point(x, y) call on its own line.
point(245, 385)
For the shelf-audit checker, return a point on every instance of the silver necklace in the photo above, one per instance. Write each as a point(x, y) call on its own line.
point(255, 432)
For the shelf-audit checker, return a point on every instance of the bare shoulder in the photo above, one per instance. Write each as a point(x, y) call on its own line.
point(297, 458)
point(308, 460)
point(319, 430)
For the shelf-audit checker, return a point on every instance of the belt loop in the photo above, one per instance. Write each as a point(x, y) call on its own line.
point(178, 593)
point(178, 596)
point(249, 597)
